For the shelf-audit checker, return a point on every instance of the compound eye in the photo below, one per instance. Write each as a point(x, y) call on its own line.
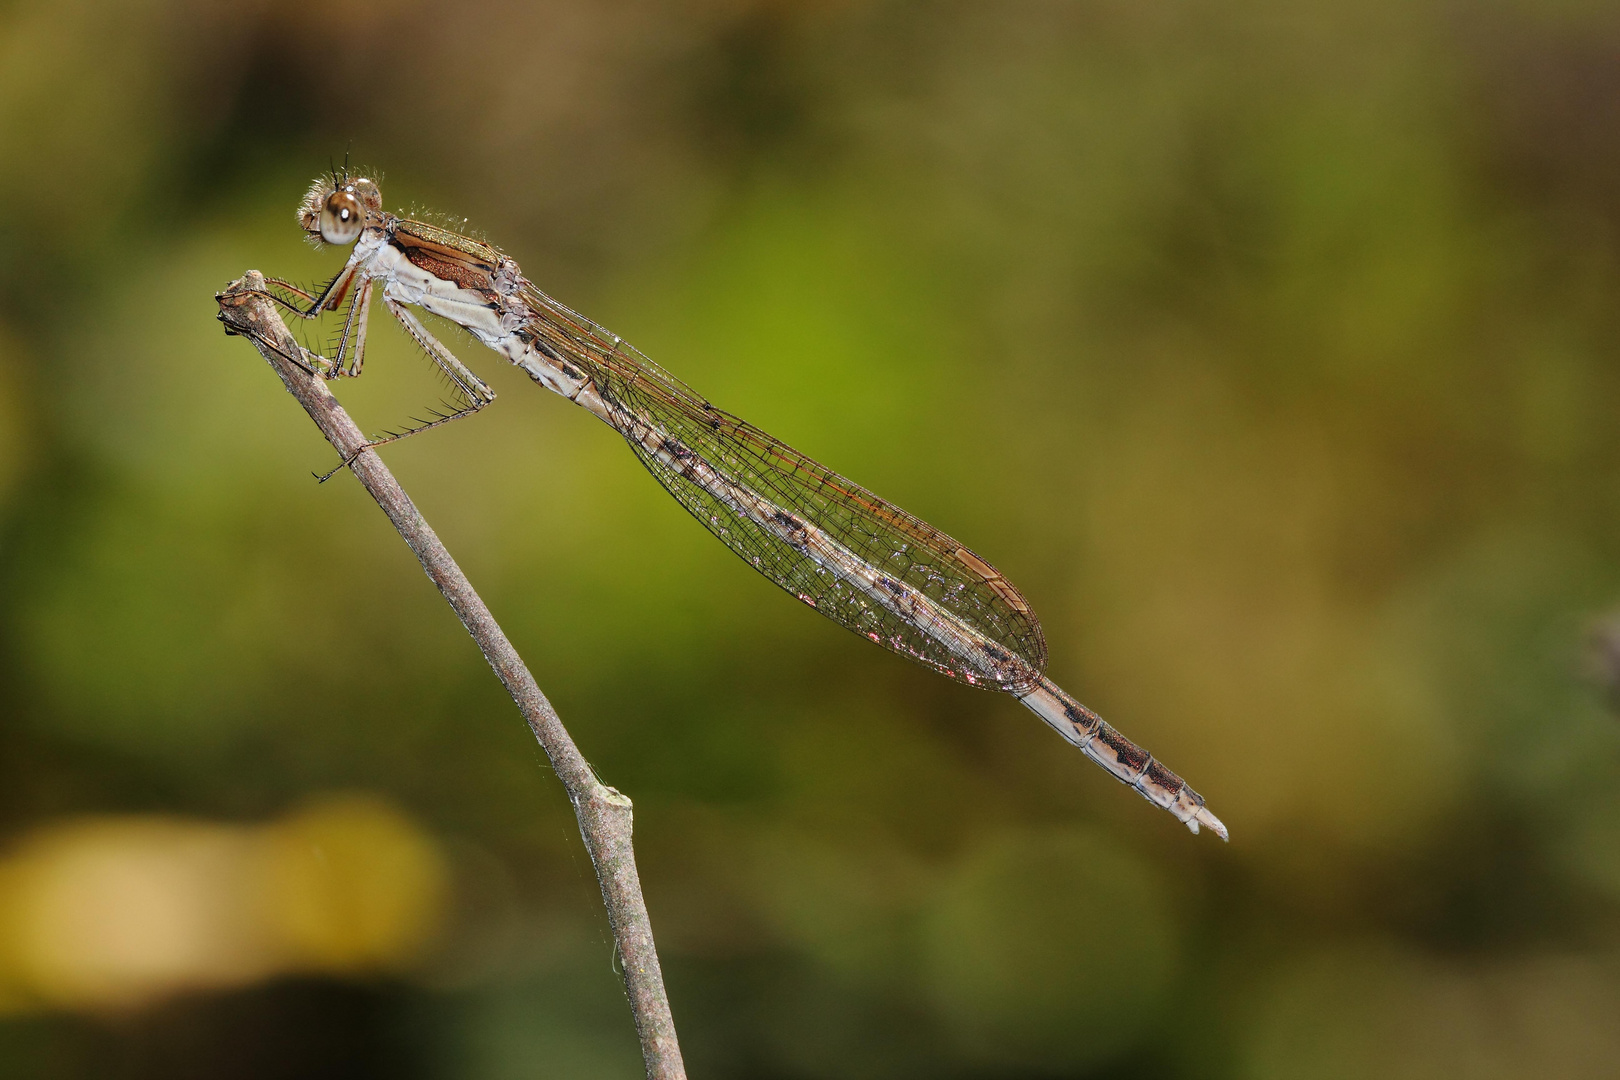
point(342, 218)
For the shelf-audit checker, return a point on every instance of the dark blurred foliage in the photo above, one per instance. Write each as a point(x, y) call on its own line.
point(1269, 348)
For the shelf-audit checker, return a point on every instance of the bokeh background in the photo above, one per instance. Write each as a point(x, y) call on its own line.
point(1270, 348)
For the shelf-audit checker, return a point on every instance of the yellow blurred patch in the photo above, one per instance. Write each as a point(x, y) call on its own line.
point(110, 913)
point(352, 885)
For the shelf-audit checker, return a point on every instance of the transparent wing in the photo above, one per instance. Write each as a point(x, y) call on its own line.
point(879, 533)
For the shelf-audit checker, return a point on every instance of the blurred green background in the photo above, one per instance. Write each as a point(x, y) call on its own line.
point(1269, 348)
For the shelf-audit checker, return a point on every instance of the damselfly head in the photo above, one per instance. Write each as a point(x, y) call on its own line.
point(336, 209)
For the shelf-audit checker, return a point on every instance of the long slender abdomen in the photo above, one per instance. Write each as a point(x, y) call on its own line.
point(1129, 763)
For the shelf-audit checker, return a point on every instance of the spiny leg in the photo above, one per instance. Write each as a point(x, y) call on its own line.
point(286, 286)
point(328, 300)
point(473, 390)
point(313, 364)
point(352, 342)
point(460, 375)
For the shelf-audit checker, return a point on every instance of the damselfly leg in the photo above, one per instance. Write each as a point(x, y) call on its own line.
point(471, 392)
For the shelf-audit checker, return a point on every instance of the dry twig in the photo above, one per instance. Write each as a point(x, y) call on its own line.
point(604, 814)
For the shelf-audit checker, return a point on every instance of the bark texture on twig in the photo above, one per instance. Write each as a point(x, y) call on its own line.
point(605, 816)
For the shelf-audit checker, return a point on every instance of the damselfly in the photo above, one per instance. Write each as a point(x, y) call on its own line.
point(864, 563)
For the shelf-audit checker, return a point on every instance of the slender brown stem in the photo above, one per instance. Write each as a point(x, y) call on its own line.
point(605, 816)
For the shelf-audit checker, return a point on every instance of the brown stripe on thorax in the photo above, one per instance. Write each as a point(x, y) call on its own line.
point(447, 255)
